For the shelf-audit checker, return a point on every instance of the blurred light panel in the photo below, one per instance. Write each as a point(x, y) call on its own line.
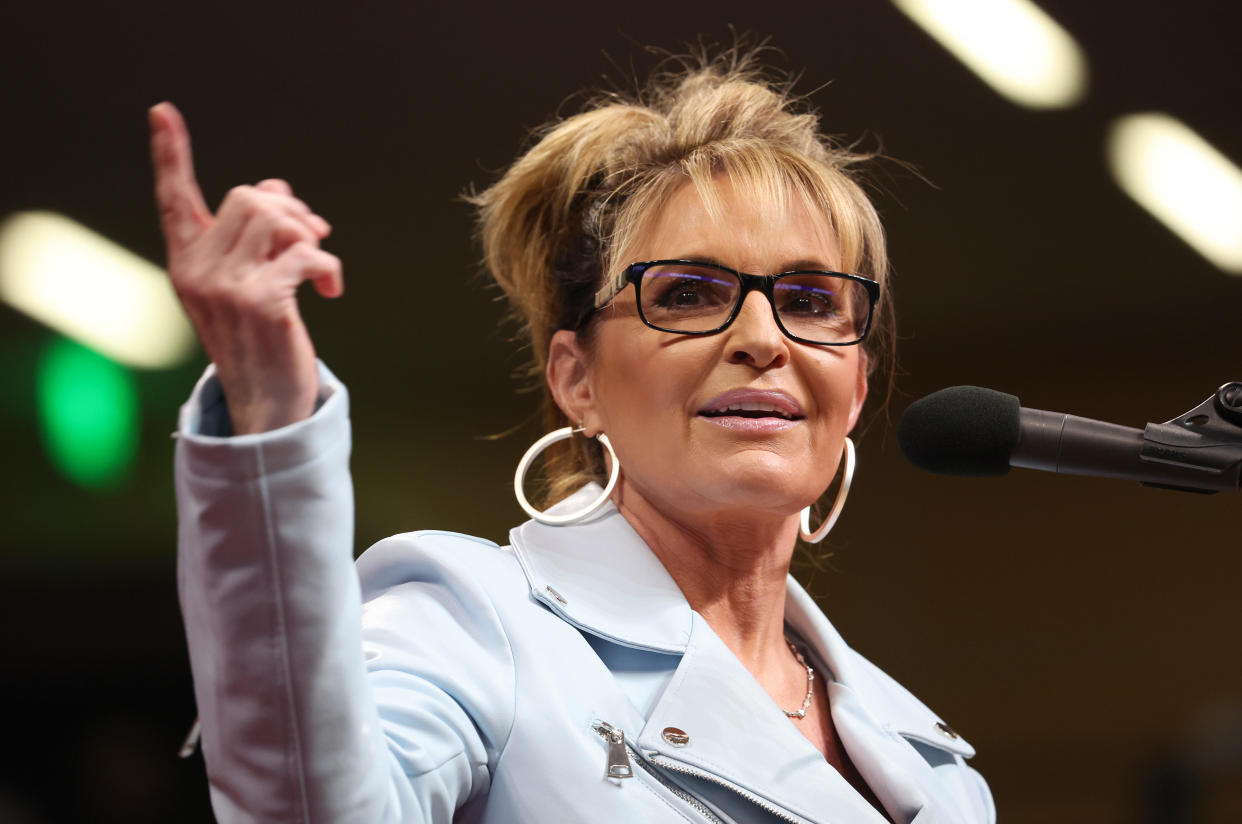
point(92, 290)
point(88, 415)
point(1012, 45)
point(1183, 180)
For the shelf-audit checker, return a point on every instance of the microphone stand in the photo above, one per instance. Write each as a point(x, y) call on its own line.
point(1205, 444)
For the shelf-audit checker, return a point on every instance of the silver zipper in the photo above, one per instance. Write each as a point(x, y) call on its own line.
point(618, 759)
point(676, 766)
point(616, 737)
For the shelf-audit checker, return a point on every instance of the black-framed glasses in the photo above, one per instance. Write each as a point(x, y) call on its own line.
point(690, 297)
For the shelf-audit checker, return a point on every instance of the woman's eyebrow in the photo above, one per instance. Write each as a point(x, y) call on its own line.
point(700, 258)
point(807, 263)
point(794, 265)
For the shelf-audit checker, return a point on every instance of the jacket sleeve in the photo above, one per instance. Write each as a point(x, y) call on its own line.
point(296, 727)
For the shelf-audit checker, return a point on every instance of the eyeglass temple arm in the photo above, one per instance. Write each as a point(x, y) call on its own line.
point(612, 287)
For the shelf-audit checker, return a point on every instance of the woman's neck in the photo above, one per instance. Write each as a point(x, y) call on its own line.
point(731, 570)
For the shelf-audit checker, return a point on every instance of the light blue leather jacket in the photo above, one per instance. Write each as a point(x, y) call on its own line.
point(450, 679)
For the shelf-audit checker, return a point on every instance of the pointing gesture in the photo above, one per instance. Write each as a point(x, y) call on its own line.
point(237, 273)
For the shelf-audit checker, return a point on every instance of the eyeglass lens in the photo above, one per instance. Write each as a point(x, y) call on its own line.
point(821, 308)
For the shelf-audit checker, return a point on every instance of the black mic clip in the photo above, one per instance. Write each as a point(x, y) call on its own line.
point(1205, 444)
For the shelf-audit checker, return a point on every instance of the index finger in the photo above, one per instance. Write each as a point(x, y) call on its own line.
point(183, 212)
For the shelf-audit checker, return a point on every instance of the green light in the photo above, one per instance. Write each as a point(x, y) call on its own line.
point(88, 415)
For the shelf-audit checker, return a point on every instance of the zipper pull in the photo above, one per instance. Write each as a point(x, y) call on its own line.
point(618, 757)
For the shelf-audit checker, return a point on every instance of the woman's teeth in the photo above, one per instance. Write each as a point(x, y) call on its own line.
point(749, 410)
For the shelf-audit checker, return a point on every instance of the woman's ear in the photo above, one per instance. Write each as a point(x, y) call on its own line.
point(569, 381)
point(860, 393)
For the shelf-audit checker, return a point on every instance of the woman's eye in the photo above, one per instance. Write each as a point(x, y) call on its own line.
point(689, 291)
point(686, 294)
point(815, 302)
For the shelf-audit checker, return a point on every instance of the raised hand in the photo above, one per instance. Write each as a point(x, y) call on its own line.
point(237, 273)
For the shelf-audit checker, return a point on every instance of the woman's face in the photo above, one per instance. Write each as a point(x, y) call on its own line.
point(665, 400)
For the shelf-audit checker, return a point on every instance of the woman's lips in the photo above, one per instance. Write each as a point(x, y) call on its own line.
point(754, 403)
point(753, 411)
point(756, 426)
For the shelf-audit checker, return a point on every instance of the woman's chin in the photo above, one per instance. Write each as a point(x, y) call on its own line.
point(762, 483)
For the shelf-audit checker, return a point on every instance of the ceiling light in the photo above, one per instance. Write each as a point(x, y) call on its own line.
point(1183, 180)
point(87, 287)
point(1013, 45)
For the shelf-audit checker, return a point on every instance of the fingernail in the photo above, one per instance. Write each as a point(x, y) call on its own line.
point(153, 113)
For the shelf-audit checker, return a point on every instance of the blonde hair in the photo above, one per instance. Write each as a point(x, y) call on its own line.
point(558, 223)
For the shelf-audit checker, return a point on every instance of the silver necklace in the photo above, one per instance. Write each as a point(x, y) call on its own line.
point(810, 684)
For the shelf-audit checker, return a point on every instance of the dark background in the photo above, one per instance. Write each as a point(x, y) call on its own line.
point(1083, 634)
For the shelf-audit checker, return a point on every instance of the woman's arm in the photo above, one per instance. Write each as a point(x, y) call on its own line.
point(311, 710)
point(272, 612)
point(292, 729)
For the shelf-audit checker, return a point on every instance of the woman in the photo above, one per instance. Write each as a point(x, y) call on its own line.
point(638, 652)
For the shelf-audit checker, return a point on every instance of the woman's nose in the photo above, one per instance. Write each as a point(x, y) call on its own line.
point(754, 337)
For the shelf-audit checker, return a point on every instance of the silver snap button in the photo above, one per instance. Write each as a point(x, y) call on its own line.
point(947, 731)
point(560, 599)
point(676, 737)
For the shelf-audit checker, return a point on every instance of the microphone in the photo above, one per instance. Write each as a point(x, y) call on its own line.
point(976, 432)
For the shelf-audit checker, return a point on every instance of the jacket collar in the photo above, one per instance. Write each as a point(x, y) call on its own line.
point(600, 576)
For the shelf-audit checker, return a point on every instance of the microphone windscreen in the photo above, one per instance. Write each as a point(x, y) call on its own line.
point(962, 430)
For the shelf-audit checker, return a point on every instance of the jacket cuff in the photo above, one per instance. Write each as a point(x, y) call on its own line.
point(210, 449)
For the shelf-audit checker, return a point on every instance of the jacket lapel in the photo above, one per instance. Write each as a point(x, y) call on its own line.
point(874, 717)
point(601, 577)
point(737, 734)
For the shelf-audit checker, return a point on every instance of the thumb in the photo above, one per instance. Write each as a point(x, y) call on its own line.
point(183, 213)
